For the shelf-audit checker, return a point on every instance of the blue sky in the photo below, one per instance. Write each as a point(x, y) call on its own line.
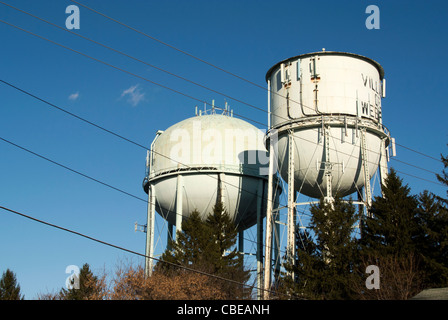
point(243, 37)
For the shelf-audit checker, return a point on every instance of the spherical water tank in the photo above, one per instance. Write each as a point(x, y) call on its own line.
point(216, 156)
point(331, 104)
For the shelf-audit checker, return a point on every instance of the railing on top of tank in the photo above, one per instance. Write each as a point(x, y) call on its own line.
point(341, 119)
point(245, 169)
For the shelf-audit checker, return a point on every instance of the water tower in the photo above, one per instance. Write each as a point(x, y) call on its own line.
point(204, 159)
point(325, 109)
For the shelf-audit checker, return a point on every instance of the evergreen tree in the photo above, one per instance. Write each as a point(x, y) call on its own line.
point(389, 240)
point(191, 247)
point(224, 234)
point(405, 235)
point(9, 288)
point(443, 178)
point(432, 240)
point(307, 270)
point(392, 225)
point(325, 263)
point(207, 246)
point(88, 287)
point(227, 262)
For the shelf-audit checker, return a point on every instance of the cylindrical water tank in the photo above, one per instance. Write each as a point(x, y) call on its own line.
point(217, 157)
point(329, 101)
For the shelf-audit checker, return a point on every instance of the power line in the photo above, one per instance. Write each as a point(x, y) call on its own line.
point(168, 45)
point(144, 62)
point(138, 144)
point(106, 130)
point(103, 62)
point(135, 59)
point(184, 52)
point(72, 114)
point(96, 180)
point(91, 178)
point(412, 165)
point(147, 64)
point(190, 97)
point(113, 133)
point(99, 127)
point(128, 250)
point(72, 170)
point(166, 87)
point(418, 152)
point(120, 69)
point(213, 65)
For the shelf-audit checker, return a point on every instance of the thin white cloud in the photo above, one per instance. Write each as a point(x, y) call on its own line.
point(135, 95)
point(73, 96)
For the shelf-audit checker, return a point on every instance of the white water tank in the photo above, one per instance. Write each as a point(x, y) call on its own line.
point(329, 101)
point(209, 157)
